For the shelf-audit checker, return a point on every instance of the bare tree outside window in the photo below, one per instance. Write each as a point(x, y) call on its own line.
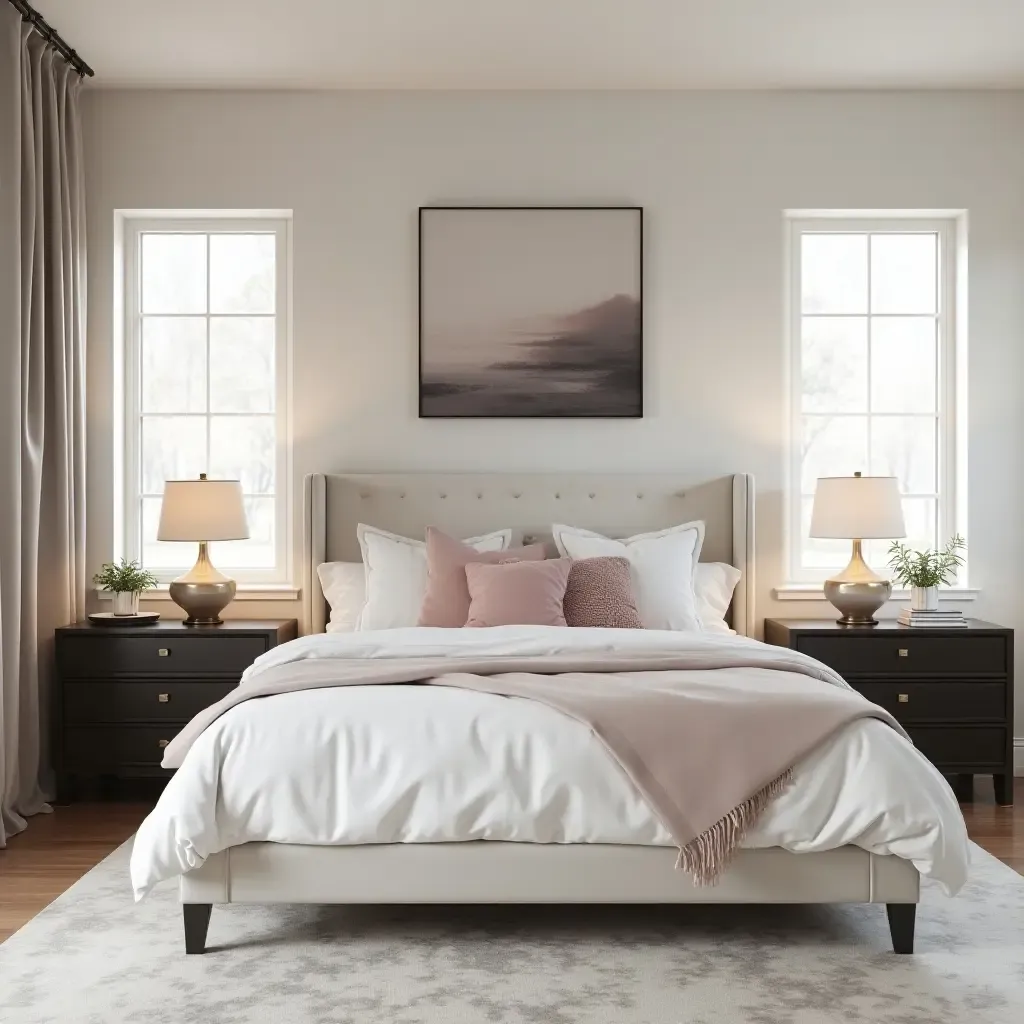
point(207, 335)
point(869, 326)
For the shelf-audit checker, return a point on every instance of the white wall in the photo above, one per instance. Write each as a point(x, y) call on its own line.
point(714, 172)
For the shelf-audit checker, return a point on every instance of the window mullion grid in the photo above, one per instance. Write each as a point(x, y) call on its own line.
point(801, 419)
point(869, 325)
point(209, 425)
point(944, 363)
point(795, 540)
point(859, 316)
point(944, 484)
point(842, 414)
point(226, 314)
point(270, 494)
point(139, 417)
point(270, 415)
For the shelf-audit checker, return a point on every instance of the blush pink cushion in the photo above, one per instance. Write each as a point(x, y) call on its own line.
point(446, 602)
point(600, 593)
point(517, 593)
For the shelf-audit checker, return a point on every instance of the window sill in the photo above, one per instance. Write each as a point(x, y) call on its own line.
point(245, 592)
point(815, 592)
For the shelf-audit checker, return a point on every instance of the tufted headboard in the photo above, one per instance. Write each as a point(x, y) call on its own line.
point(464, 504)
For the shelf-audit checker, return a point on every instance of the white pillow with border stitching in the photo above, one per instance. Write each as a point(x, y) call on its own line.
point(395, 570)
point(344, 587)
point(662, 566)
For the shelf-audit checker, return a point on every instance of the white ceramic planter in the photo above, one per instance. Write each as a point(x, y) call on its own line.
point(924, 599)
point(126, 602)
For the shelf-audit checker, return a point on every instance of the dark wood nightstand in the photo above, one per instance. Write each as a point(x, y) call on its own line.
point(951, 689)
point(123, 692)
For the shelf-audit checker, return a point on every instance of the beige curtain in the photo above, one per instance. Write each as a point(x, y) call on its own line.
point(42, 400)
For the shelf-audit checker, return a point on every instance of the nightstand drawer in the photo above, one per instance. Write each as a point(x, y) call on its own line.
point(948, 747)
point(103, 657)
point(109, 749)
point(96, 702)
point(907, 652)
point(951, 688)
point(939, 701)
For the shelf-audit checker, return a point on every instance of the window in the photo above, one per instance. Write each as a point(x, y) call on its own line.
point(873, 341)
point(205, 382)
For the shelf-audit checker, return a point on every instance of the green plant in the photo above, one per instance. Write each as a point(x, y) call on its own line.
point(124, 577)
point(926, 568)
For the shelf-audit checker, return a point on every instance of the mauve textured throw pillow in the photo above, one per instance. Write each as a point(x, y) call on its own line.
point(517, 593)
point(600, 593)
point(447, 599)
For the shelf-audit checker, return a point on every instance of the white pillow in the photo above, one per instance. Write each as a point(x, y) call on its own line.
point(344, 586)
point(713, 586)
point(662, 567)
point(396, 575)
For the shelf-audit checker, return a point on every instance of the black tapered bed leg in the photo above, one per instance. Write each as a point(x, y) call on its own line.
point(197, 921)
point(901, 926)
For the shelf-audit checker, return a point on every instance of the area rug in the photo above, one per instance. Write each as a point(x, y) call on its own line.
point(95, 957)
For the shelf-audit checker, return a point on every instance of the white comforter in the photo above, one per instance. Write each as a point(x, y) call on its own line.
point(411, 764)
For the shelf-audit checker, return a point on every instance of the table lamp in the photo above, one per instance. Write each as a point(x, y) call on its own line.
point(202, 510)
point(857, 508)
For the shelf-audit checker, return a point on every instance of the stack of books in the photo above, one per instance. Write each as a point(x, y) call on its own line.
point(947, 618)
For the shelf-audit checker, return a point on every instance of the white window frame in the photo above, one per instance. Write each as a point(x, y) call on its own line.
point(129, 226)
point(951, 435)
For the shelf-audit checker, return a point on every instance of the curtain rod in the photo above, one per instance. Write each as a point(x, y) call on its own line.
point(39, 23)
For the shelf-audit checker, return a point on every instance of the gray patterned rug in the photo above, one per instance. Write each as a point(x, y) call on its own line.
point(92, 956)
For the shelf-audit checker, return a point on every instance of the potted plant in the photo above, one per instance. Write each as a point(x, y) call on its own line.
point(126, 580)
point(924, 571)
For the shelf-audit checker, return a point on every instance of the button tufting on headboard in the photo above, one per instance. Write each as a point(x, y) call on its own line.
point(473, 504)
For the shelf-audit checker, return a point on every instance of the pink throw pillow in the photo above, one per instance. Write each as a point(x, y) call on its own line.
point(517, 593)
point(600, 593)
point(446, 602)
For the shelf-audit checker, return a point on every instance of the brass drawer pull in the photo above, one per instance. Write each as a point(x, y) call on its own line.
point(163, 698)
point(904, 698)
point(162, 743)
point(903, 652)
point(163, 652)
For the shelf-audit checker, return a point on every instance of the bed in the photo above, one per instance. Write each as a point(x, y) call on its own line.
point(488, 871)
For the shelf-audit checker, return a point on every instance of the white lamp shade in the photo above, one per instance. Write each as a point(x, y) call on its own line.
point(202, 510)
point(858, 508)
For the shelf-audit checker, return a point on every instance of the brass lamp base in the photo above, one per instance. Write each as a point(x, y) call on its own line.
point(203, 592)
point(857, 592)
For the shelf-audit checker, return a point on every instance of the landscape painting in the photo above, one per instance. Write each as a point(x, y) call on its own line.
point(529, 312)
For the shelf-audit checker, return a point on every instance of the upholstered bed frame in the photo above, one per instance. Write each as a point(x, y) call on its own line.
point(493, 872)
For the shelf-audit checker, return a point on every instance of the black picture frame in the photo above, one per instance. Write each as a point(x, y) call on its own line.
point(631, 369)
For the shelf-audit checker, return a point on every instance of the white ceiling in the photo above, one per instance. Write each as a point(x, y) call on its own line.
point(547, 44)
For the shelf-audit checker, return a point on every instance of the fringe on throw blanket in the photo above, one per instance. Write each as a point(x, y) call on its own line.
point(707, 856)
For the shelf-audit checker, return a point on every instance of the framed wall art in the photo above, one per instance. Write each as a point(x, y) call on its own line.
point(531, 311)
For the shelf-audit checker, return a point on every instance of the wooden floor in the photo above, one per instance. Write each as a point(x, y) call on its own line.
point(57, 849)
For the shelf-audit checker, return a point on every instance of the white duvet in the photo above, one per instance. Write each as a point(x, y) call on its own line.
point(412, 764)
